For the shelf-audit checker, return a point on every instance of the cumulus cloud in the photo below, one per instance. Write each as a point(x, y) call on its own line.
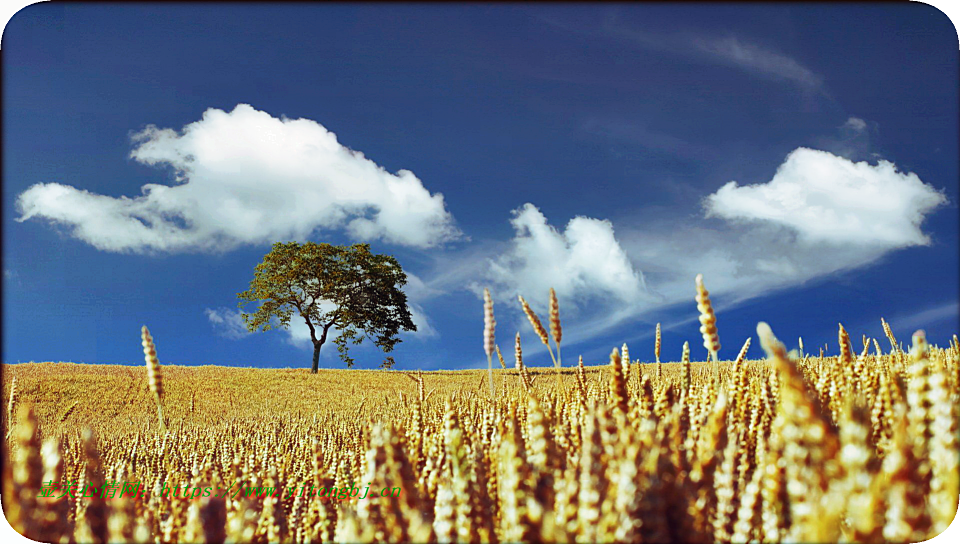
point(828, 199)
point(227, 323)
point(245, 177)
point(583, 262)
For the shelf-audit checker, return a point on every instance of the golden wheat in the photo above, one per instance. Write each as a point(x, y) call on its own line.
point(780, 449)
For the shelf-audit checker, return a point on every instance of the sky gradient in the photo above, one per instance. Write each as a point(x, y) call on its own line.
point(802, 157)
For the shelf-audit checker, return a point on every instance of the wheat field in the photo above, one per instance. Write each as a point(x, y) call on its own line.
point(793, 448)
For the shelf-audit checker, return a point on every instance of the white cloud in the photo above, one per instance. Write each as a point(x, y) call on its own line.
point(829, 199)
point(227, 323)
point(583, 262)
point(855, 123)
point(245, 177)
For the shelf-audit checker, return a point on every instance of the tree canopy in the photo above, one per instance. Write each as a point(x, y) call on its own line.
point(347, 288)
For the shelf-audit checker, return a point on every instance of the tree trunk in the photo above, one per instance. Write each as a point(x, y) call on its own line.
point(317, 344)
point(316, 357)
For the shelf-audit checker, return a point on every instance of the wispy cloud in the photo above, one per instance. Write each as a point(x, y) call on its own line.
point(924, 318)
point(730, 50)
point(756, 59)
point(246, 177)
point(227, 323)
point(638, 134)
point(854, 140)
point(12, 276)
point(425, 329)
point(855, 124)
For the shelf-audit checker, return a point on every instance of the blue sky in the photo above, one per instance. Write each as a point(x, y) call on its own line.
point(802, 157)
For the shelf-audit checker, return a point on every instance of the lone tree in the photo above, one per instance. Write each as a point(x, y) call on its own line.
point(347, 288)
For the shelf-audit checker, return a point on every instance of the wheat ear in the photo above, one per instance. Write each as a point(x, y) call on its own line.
point(618, 386)
point(537, 326)
point(625, 361)
point(154, 379)
point(889, 332)
point(846, 348)
point(488, 340)
point(656, 347)
point(518, 353)
point(10, 406)
point(555, 329)
point(708, 321)
point(503, 365)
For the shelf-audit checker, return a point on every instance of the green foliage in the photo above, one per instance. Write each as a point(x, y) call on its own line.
point(343, 287)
